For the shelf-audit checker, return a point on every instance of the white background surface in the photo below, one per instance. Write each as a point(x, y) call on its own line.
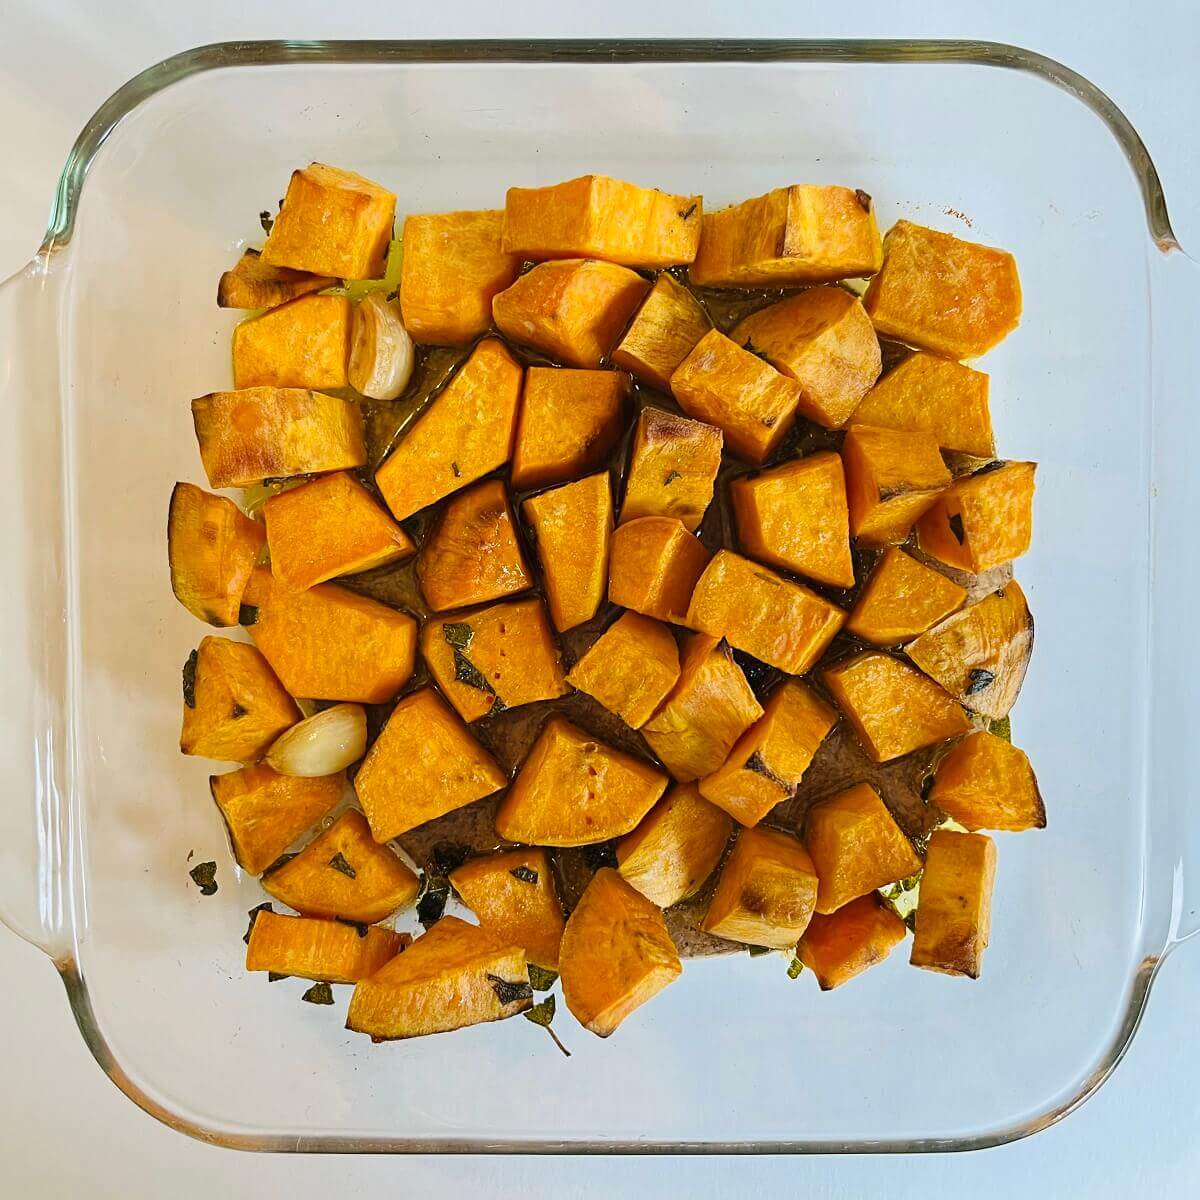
point(65, 1131)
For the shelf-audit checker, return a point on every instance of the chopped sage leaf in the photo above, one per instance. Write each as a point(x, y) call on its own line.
point(542, 1014)
point(509, 991)
point(466, 672)
point(204, 876)
point(319, 993)
point(248, 614)
point(524, 874)
point(671, 477)
point(956, 528)
point(794, 968)
point(459, 634)
point(1001, 728)
point(979, 679)
point(600, 854)
point(189, 679)
point(758, 951)
point(253, 915)
point(359, 927)
point(338, 863)
point(266, 221)
point(540, 979)
point(686, 213)
point(275, 977)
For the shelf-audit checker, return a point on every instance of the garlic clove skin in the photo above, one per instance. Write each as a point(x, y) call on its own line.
point(381, 352)
point(322, 744)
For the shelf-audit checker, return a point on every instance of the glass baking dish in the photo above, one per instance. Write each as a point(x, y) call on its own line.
point(111, 329)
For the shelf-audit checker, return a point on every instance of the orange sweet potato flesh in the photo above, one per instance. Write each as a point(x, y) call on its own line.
point(954, 914)
point(265, 812)
point(573, 310)
point(980, 654)
point(616, 954)
point(212, 548)
point(425, 763)
point(709, 708)
point(327, 643)
point(940, 293)
point(856, 846)
point(572, 528)
point(760, 612)
point(267, 432)
point(840, 945)
point(252, 283)
point(570, 423)
point(596, 216)
point(313, 948)
point(453, 267)
point(902, 599)
point(302, 344)
point(235, 707)
point(653, 568)
point(509, 647)
point(451, 977)
point(662, 333)
point(472, 556)
point(574, 790)
point(513, 894)
point(745, 397)
point(795, 516)
point(824, 340)
point(985, 782)
point(672, 468)
point(332, 526)
point(630, 668)
point(893, 709)
point(465, 433)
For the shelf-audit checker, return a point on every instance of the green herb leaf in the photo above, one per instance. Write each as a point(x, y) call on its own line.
point(509, 991)
point(956, 528)
point(204, 876)
point(247, 615)
point(600, 854)
point(189, 679)
point(319, 993)
point(275, 977)
point(758, 951)
point(459, 634)
point(794, 968)
point(1001, 728)
point(253, 915)
point(266, 221)
point(338, 863)
point(540, 979)
point(466, 672)
point(979, 679)
point(542, 1014)
point(524, 874)
point(671, 477)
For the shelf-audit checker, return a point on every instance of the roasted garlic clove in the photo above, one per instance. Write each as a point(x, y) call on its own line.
point(381, 352)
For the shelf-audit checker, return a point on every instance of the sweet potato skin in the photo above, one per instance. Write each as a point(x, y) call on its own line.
point(673, 466)
point(902, 598)
point(302, 344)
point(986, 782)
point(654, 565)
point(313, 948)
point(662, 333)
point(954, 913)
point(251, 283)
point(840, 945)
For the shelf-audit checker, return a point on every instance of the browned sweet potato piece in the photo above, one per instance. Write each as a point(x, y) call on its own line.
point(654, 566)
point(662, 333)
point(954, 913)
point(985, 782)
point(313, 948)
point(303, 344)
point(840, 945)
point(892, 477)
point(253, 283)
point(902, 598)
point(672, 468)
point(616, 954)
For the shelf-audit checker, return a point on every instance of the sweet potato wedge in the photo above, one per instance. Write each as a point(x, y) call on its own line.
point(986, 782)
point(653, 568)
point(840, 945)
point(662, 333)
point(302, 344)
point(902, 599)
point(672, 468)
point(313, 948)
point(252, 283)
point(954, 914)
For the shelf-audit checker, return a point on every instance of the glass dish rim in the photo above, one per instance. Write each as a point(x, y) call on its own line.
point(67, 198)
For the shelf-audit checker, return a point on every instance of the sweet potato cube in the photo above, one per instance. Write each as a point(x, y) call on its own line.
point(303, 344)
point(451, 977)
point(755, 610)
point(984, 520)
point(233, 706)
point(453, 267)
point(573, 310)
point(313, 948)
point(573, 790)
point(672, 468)
point(654, 566)
point(265, 812)
point(662, 333)
point(745, 397)
point(954, 914)
point(980, 654)
point(771, 757)
point(329, 527)
point(893, 709)
point(596, 216)
point(840, 945)
point(940, 293)
point(504, 655)
point(570, 422)
point(266, 432)
point(252, 283)
point(798, 234)
point(332, 222)
point(513, 894)
point(927, 394)
point(902, 598)
point(616, 953)
point(824, 340)
point(766, 892)
point(572, 527)
point(472, 556)
point(212, 548)
point(892, 477)
point(630, 668)
point(425, 763)
point(795, 516)
point(709, 708)
point(327, 643)
point(986, 782)
point(675, 848)
point(464, 434)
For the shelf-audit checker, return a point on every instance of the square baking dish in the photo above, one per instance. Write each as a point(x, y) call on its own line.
point(111, 330)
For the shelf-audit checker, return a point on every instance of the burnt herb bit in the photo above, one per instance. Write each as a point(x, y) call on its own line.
point(448, 856)
point(248, 614)
point(863, 198)
point(238, 712)
point(394, 294)
point(253, 915)
point(319, 993)
point(979, 678)
point(600, 854)
point(671, 477)
point(753, 349)
point(524, 874)
point(758, 951)
point(458, 634)
point(956, 528)
point(189, 679)
point(456, 469)
point(266, 221)
point(435, 891)
point(204, 876)
point(542, 1014)
point(338, 863)
point(509, 991)
point(359, 927)
point(275, 977)
point(540, 979)
point(794, 968)
point(927, 786)
point(687, 213)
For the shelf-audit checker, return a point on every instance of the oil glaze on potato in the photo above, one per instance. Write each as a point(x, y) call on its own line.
point(662, 333)
point(838, 946)
point(313, 948)
point(672, 468)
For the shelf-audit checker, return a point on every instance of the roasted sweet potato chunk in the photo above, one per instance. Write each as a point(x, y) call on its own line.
point(954, 913)
point(303, 344)
point(662, 333)
point(572, 527)
point(856, 846)
point(313, 948)
point(893, 709)
point(795, 516)
point(573, 310)
point(902, 598)
point(840, 945)
point(675, 848)
point(824, 340)
point(573, 790)
point(630, 668)
point(253, 283)
point(453, 268)
point(798, 234)
point(940, 293)
point(464, 434)
point(762, 613)
point(672, 468)
point(892, 477)
point(616, 953)
point(424, 763)
point(502, 655)
point(709, 708)
point(654, 566)
point(513, 894)
point(986, 782)
point(745, 397)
